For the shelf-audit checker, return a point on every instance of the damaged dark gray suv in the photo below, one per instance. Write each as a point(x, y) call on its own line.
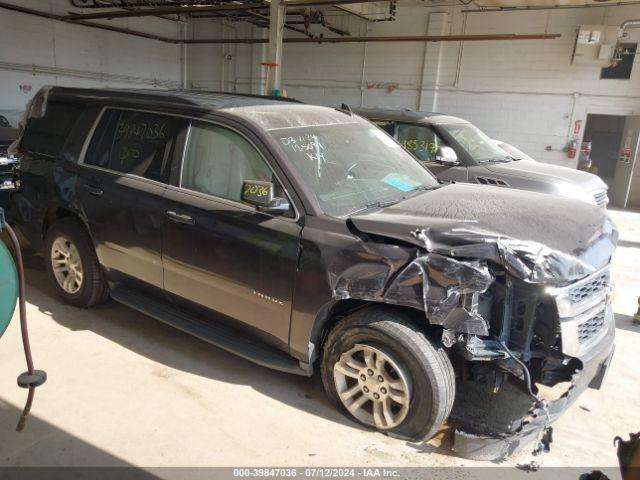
point(303, 237)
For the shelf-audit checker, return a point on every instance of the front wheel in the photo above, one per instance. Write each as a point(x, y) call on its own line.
point(385, 373)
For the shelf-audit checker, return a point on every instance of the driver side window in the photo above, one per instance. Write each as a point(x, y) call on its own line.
point(218, 160)
point(420, 140)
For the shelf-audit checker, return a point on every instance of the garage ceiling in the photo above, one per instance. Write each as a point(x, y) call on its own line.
point(548, 3)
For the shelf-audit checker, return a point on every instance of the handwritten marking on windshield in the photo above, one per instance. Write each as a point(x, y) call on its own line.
point(419, 146)
point(310, 145)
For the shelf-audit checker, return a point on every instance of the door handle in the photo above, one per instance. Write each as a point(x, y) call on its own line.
point(180, 218)
point(93, 190)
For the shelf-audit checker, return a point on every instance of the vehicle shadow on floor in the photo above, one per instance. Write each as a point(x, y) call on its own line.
point(41, 444)
point(171, 347)
point(625, 322)
point(628, 243)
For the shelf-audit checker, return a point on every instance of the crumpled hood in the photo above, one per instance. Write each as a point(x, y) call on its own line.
point(548, 173)
point(538, 238)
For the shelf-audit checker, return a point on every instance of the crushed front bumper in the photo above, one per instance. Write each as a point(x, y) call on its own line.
point(595, 365)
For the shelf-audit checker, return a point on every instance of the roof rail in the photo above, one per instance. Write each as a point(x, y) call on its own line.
point(234, 94)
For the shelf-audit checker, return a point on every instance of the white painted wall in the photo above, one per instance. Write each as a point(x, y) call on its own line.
point(523, 92)
point(74, 55)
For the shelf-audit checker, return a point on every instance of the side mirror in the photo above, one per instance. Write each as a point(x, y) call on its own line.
point(447, 156)
point(261, 195)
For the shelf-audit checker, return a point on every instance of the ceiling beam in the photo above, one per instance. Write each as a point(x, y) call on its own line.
point(232, 7)
point(419, 38)
point(147, 12)
point(60, 18)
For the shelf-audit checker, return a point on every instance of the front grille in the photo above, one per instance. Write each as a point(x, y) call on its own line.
point(590, 328)
point(595, 286)
point(584, 312)
point(601, 198)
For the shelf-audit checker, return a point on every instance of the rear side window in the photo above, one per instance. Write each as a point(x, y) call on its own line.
point(137, 143)
point(48, 134)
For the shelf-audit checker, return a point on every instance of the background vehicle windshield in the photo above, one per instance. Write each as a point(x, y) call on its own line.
point(515, 153)
point(476, 143)
point(351, 167)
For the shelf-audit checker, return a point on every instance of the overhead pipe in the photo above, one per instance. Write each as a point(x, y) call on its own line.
point(553, 7)
point(419, 38)
point(253, 41)
point(324, 3)
point(86, 74)
point(628, 24)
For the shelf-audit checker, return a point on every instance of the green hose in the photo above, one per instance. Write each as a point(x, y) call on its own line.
point(12, 288)
point(8, 287)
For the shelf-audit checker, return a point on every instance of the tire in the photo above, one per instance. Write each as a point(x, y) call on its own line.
point(424, 367)
point(92, 289)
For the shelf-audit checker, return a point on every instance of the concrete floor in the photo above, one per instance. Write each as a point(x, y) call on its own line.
point(125, 389)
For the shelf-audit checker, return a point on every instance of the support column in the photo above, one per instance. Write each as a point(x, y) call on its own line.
point(437, 24)
point(274, 50)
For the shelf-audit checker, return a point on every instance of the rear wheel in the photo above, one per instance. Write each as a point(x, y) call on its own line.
point(385, 373)
point(72, 264)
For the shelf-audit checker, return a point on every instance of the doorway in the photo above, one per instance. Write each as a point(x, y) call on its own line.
point(605, 134)
point(614, 148)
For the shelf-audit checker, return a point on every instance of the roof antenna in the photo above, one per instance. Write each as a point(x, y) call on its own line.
point(345, 108)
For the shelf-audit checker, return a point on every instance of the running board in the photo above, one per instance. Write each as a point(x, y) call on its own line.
point(210, 331)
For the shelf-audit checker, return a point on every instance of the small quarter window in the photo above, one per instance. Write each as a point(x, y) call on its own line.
point(47, 135)
point(136, 143)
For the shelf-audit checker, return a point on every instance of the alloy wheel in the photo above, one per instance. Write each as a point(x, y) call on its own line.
point(66, 265)
point(373, 386)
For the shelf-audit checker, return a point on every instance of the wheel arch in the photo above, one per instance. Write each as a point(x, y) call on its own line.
point(58, 212)
point(331, 314)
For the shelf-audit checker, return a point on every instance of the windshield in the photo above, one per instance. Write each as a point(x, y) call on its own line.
point(352, 167)
point(476, 143)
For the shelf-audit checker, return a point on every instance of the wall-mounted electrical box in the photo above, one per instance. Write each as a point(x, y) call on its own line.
point(595, 45)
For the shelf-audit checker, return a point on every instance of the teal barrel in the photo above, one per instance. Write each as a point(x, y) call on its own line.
point(8, 287)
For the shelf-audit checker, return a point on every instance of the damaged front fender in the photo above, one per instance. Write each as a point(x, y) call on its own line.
point(445, 288)
point(449, 289)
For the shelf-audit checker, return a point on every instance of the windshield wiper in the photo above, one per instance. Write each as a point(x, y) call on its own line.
point(378, 204)
point(388, 203)
point(506, 159)
point(424, 188)
point(420, 189)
